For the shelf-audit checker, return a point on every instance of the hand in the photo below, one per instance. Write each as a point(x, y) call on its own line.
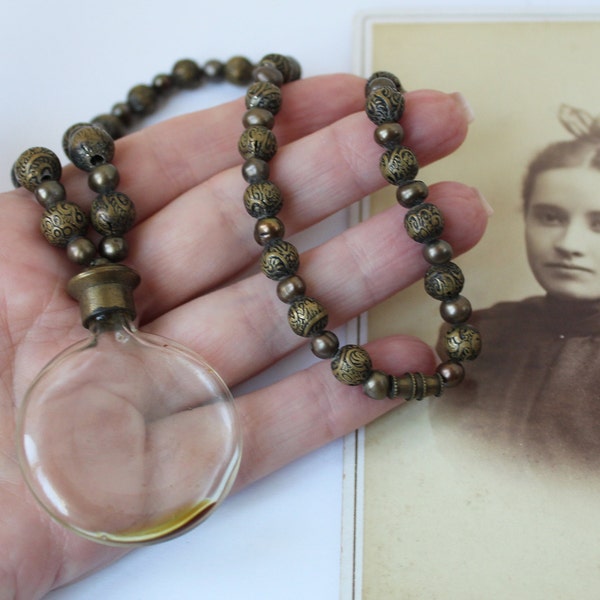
point(184, 176)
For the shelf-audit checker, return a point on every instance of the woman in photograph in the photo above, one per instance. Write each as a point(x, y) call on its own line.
point(536, 386)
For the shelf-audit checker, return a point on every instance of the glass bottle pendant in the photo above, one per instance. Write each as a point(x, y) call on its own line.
point(126, 437)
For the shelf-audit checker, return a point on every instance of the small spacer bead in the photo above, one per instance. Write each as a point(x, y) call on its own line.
point(49, 193)
point(307, 317)
point(437, 252)
point(268, 74)
point(162, 84)
point(325, 345)
point(268, 229)
point(111, 124)
point(411, 193)
point(104, 178)
point(451, 372)
point(214, 70)
point(258, 116)
point(385, 75)
point(255, 170)
point(281, 63)
point(377, 385)
point(123, 112)
point(377, 83)
point(389, 135)
point(456, 310)
point(238, 70)
point(351, 365)
point(290, 288)
point(81, 251)
point(113, 248)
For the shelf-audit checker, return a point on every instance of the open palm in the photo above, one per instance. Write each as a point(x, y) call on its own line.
point(193, 245)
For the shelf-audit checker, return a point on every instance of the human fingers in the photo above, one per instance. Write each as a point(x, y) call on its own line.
point(241, 329)
point(318, 175)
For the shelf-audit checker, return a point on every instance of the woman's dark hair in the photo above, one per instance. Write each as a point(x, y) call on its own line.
point(561, 155)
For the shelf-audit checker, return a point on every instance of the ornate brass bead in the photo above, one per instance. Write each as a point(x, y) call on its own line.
point(81, 251)
point(68, 133)
point(62, 222)
point(111, 124)
point(258, 142)
point(351, 365)
point(307, 317)
point(389, 135)
point(258, 116)
point(325, 345)
point(385, 74)
point(451, 372)
point(263, 94)
point(444, 282)
point(50, 192)
point(280, 259)
point(384, 105)
point(142, 99)
point(377, 385)
point(416, 386)
point(238, 70)
point(291, 288)
point(268, 229)
point(263, 199)
point(187, 74)
point(104, 178)
point(112, 214)
point(424, 222)
point(36, 165)
point(437, 252)
point(398, 165)
point(255, 170)
point(463, 342)
point(89, 146)
point(411, 193)
point(456, 310)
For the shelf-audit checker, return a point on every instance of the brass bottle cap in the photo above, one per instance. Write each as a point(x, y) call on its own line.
point(103, 289)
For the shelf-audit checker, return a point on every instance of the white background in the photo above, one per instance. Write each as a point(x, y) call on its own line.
point(64, 61)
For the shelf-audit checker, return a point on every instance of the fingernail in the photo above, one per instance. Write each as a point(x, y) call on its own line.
point(486, 205)
point(465, 106)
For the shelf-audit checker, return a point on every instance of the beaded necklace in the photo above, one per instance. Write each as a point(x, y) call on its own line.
point(101, 449)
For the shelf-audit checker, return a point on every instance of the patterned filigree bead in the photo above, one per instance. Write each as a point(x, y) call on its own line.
point(63, 222)
point(444, 282)
point(89, 146)
point(265, 95)
point(258, 142)
point(280, 259)
point(351, 365)
point(36, 165)
point(424, 222)
point(307, 317)
point(112, 214)
point(463, 342)
point(286, 65)
point(398, 165)
point(263, 199)
point(385, 105)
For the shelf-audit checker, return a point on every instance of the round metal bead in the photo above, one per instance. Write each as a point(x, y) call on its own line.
point(214, 70)
point(142, 99)
point(112, 214)
point(114, 248)
point(268, 229)
point(123, 112)
point(49, 193)
point(424, 222)
point(295, 68)
point(111, 124)
point(291, 288)
point(89, 146)
point(325, 345)
point(280, 259)
point(255, 170)
point(258, 116)
point(162, 83)
point(104, 178)
point(389, 135)
point(386, 75)
point(385, 105)
point(238, 70)
point(81, 251)
point(68, 133)
point(456, 310)
point(263, 199)
point(437, 252)
point(377, 385)
point(264, 95)
point(62, 222)
point(451, 372)
point(13, 178)
point(463, 342)
point(351, 365)
point(444, 282)
point(258, 142)
point(411, 193)
point(187, 74)
point(268, 73)
point(307, 317)
point(398, 165)
point(35, 166)
point(281, 63)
